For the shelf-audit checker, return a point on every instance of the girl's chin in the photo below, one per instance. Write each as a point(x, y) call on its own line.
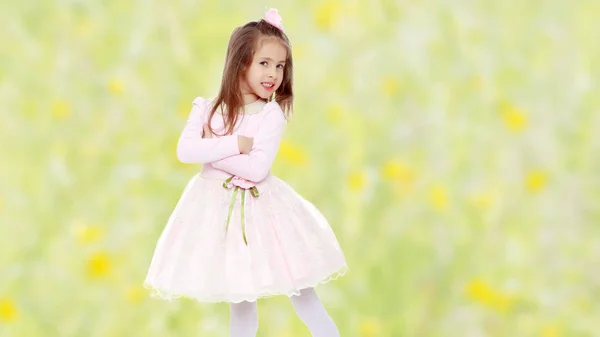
point(263, 95)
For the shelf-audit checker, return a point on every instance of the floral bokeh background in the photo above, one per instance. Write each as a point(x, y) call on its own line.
point(453, 146)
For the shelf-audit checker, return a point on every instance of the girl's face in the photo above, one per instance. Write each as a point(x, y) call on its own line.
point(265, 73)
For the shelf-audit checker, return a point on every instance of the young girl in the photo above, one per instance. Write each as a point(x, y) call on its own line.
point(239, 233)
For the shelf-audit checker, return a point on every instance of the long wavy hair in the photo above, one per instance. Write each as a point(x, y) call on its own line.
point(243, 44)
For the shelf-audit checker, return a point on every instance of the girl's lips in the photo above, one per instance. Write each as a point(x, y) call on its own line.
point(268, 85)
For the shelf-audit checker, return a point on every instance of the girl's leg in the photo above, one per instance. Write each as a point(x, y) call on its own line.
point(313, 314)
point(243, 319)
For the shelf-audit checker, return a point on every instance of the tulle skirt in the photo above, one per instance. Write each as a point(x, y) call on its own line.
point(222, 245)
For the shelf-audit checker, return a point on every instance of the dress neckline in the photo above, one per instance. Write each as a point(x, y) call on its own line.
point(254, 107)
point(250, 108)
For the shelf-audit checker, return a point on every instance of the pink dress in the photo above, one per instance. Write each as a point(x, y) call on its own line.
point(241, 238)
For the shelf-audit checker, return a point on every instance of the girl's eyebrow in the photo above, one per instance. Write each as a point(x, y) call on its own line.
point(270, 59)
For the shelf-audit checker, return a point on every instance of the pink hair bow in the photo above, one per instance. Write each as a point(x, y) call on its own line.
point(273, 18)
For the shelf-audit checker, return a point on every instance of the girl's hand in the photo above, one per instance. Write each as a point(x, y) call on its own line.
point(245, 144)
point(206, 132)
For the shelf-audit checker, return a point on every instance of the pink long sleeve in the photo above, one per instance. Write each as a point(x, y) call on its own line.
point(193, 149)
point(255, 166)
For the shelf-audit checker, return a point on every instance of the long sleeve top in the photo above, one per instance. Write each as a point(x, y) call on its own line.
point(220, 155)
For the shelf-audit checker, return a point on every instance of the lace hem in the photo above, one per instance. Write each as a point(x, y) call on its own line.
point(166, 295)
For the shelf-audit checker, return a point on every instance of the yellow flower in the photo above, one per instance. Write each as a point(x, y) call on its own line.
point(395, 170)
point(389, 86)
point(115, 85)
point(536, 181)
point(98, 265)
point(438, 198)
point(514, 118)
point(357, 181)
point(325, 14)
point(370, 327)
point(60, 109)
point(401, 176)
point(478, 290)
point(135, 294)
point(8, 310)
point(292, 154)
point(88, 234)
point(485, 295)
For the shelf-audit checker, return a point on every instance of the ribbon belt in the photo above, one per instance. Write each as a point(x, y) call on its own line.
point(253, 191)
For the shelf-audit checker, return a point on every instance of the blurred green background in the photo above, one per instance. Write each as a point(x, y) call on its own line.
point(453, 146)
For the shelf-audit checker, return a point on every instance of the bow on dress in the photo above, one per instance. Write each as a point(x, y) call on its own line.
point(240, 184)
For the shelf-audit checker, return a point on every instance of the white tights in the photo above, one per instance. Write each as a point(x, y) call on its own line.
point(244, 316)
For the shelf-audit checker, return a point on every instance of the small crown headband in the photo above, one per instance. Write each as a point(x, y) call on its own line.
point(273, 18)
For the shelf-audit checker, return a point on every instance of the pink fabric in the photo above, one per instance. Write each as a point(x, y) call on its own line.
point(290, 245)
point(266, 127)
point(273, 18)
point(193, 149)
point(242, 183)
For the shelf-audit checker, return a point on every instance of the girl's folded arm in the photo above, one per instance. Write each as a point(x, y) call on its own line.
point(193, 149)
point(255, 166)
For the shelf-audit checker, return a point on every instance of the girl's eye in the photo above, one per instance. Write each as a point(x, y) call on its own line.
point(264, 63)
point(280, 66)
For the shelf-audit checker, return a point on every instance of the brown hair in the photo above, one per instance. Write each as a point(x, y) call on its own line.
point(240, 52)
